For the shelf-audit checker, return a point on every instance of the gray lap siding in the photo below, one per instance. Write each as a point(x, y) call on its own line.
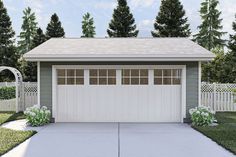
point(191, 79)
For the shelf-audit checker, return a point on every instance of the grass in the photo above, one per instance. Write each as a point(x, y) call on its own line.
point(10, 116)
point(11, 138)
point(225, 133)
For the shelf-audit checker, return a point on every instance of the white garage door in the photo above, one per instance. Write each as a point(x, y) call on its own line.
point(118, 95)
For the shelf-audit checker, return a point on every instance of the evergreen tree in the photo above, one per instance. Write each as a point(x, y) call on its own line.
point(8, 55)
point(29, 28)
point(123, 22)
point(8, 52)
point(88, 28)
point(30, 68)
point(171, 20)
point(39, 38)
point(210, 33)
point(230, 61)
point(214, 71)
point(54, 28)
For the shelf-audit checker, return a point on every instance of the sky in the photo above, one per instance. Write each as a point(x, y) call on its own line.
point(70, 13)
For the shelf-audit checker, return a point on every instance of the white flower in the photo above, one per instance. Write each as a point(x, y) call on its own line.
point(191, 111)
point(212, 112)
point(44, 108)
point(35, 106)
point(32, 114)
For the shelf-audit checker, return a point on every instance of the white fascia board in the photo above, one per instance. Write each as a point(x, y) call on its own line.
point(71, 59)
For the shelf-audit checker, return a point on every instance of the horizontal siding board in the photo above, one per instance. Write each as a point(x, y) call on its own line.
point(191, 79)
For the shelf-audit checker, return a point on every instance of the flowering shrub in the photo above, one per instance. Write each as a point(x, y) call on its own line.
point(37, 116)
point(202, 116)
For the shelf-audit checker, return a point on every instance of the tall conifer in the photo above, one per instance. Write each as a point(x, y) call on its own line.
point(123, 22)
point(171, 20)
point(210, 31)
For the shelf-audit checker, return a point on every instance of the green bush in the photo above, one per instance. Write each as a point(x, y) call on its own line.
point(37, 116)
point(202, 116)
point(7, 93)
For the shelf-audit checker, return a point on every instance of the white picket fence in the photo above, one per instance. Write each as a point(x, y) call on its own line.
point(8, 105)
point(219, 97)
point(29, 96)
point(7, 84)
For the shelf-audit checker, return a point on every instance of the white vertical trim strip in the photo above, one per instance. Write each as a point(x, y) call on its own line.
point(118, 77)
point(54, 93)
point(86, 77)
point(183, 93)
point(150, 77)
point(199, 82)
point(38, 80)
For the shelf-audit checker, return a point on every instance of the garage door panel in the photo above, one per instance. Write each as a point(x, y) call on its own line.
point(118, 103)
point(123, 103)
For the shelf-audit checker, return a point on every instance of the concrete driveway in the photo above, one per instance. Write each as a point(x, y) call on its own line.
point(118, 140)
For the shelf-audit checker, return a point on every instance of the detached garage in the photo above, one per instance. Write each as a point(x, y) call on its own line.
point(119, 79)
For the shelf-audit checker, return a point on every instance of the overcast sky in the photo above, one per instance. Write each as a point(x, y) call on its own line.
point(70, 13)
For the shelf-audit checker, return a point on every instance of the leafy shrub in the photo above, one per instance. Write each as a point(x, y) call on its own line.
point(37, 116)
point(202, 116)
point(7, 93)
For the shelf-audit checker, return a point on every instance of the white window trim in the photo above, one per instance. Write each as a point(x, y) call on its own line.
point(118, 68)
point(98, 77)
point(137, 77)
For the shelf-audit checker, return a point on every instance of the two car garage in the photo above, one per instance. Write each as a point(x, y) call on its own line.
point(118, 93)
point(119, 79)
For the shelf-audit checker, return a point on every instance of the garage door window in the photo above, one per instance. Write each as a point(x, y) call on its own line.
point(167, 76)
point(70, 77)
point(102, 76)
point(135, 77)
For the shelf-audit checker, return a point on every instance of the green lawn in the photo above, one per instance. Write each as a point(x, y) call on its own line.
point(10, 116)
point(225, 133)
point(11, 138)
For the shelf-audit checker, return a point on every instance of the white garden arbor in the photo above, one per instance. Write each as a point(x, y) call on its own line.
point(18, 85)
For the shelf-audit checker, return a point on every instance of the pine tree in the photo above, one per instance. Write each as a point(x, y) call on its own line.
point(230, 61)
point(54, 28)
point(29, 28)
point(6, 37)
point(8, 52)
point(39, 38)
point(123, 22)
point(210, 33)
point(171, 20)
point(30, 68)
point(88, 28)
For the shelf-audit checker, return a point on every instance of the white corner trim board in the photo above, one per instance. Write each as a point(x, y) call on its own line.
point(38, 80)
point(199, 82)
point(119, 102)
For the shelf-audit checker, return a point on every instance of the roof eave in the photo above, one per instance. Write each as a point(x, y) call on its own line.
point(105, 59)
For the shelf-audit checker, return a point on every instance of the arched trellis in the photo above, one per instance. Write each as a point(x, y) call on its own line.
point(18, 84)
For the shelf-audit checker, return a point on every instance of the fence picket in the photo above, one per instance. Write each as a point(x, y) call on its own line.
point(219, 97)
point(29, 96)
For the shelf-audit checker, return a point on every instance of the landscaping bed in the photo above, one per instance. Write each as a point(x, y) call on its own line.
point(225, 133)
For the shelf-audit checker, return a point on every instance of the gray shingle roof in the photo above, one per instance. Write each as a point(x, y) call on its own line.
point(69, 48)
